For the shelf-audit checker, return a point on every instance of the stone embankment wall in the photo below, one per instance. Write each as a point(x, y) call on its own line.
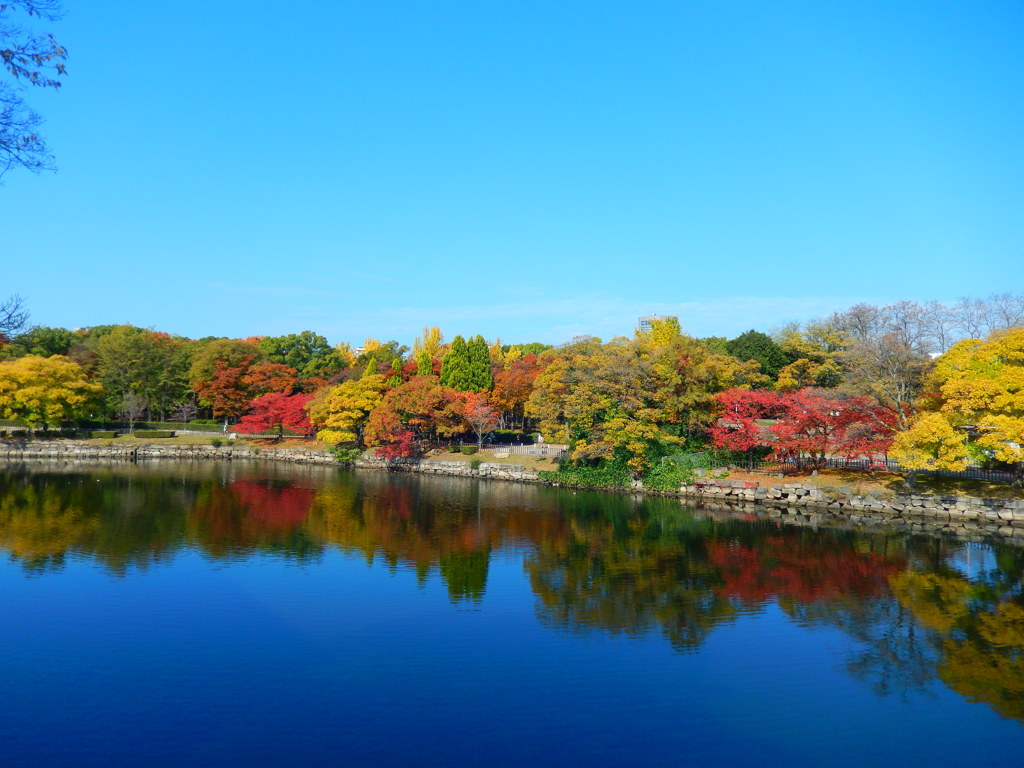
point(813, 502)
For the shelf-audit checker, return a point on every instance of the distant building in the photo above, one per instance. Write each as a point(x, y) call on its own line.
point(646, 321)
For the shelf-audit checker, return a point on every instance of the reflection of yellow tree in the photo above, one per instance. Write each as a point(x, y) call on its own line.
point(982, 638)
point(39, 524)
point(990, 667)
point(938, 601)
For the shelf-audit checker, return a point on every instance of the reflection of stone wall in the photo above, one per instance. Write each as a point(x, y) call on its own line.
point(945, 511)
point(813, 504)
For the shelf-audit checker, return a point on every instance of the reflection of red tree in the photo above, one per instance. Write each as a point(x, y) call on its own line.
point(273, 510)
point(783, 568)
point(247, 513)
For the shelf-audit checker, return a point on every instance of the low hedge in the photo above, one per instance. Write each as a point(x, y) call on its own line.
point(154, 433)
point(469, 450)
point(103, 433)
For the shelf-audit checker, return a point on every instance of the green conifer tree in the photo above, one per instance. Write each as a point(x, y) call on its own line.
point(371, 366)
point(455, 364)
point(424, 365)
point(479, 377)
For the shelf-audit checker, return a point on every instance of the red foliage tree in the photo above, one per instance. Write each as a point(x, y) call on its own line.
point(512, 386)
point(402, 445)
point(737, 428)
point(818, 425)
point(421, 406)
point(279, 411)
point(270, 377)
point(479, 415)
point(806, 422)
point(226, 392)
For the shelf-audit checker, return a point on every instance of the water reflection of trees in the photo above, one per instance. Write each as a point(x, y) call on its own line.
point(915, 609)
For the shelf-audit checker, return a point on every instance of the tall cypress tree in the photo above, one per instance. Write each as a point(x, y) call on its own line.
point(480, 378)
point(455, 365)
point(424, 365)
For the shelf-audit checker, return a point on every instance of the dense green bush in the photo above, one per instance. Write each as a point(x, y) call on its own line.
point(148, 433)
point(52, 433)
point(103, 433)
point(475, 464)
point(217, 442)
point(469, 450)
point(453, 448)
point(346, 455)
point(605, 475)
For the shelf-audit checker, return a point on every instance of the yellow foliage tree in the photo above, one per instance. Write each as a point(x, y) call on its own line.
point(496, 353)
point(341, 412)
point(41, 391)
point(663, 331)
point(931, 443)
point(430, 342)
point(981, 385)
point(344, 350)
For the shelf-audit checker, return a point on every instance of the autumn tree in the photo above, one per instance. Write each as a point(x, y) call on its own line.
point(269, 377)
point(230, 353)
point(221, 374)
point(661, 331)
point(226, 392)
point(814, 351)
point(512, 388)
point(430, 343)
point(806, 422)
point(43, 391)
point(479, 415)
point(930, 443)
point(422, 406)
point(341, 412)
point(979, 387)
point(277, 411)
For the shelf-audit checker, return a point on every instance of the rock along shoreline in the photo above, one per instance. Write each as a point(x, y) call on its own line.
point(959, 515)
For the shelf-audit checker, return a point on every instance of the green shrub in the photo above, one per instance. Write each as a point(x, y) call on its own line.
point(469, 450)
point(103, 433)
point(475, 464)
point(150, 433)
point(453, 448)
point(604, 475)
point(346, 455)
point(217, 442)
point(55, 433)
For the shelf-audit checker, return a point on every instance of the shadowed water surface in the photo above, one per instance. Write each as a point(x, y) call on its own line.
point(232, 614)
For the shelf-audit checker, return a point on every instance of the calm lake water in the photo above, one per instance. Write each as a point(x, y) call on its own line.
point(232, 614)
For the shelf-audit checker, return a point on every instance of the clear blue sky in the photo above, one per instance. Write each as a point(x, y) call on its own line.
point(528, 170)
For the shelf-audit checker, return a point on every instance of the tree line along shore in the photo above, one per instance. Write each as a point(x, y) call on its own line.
point(936, 387)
